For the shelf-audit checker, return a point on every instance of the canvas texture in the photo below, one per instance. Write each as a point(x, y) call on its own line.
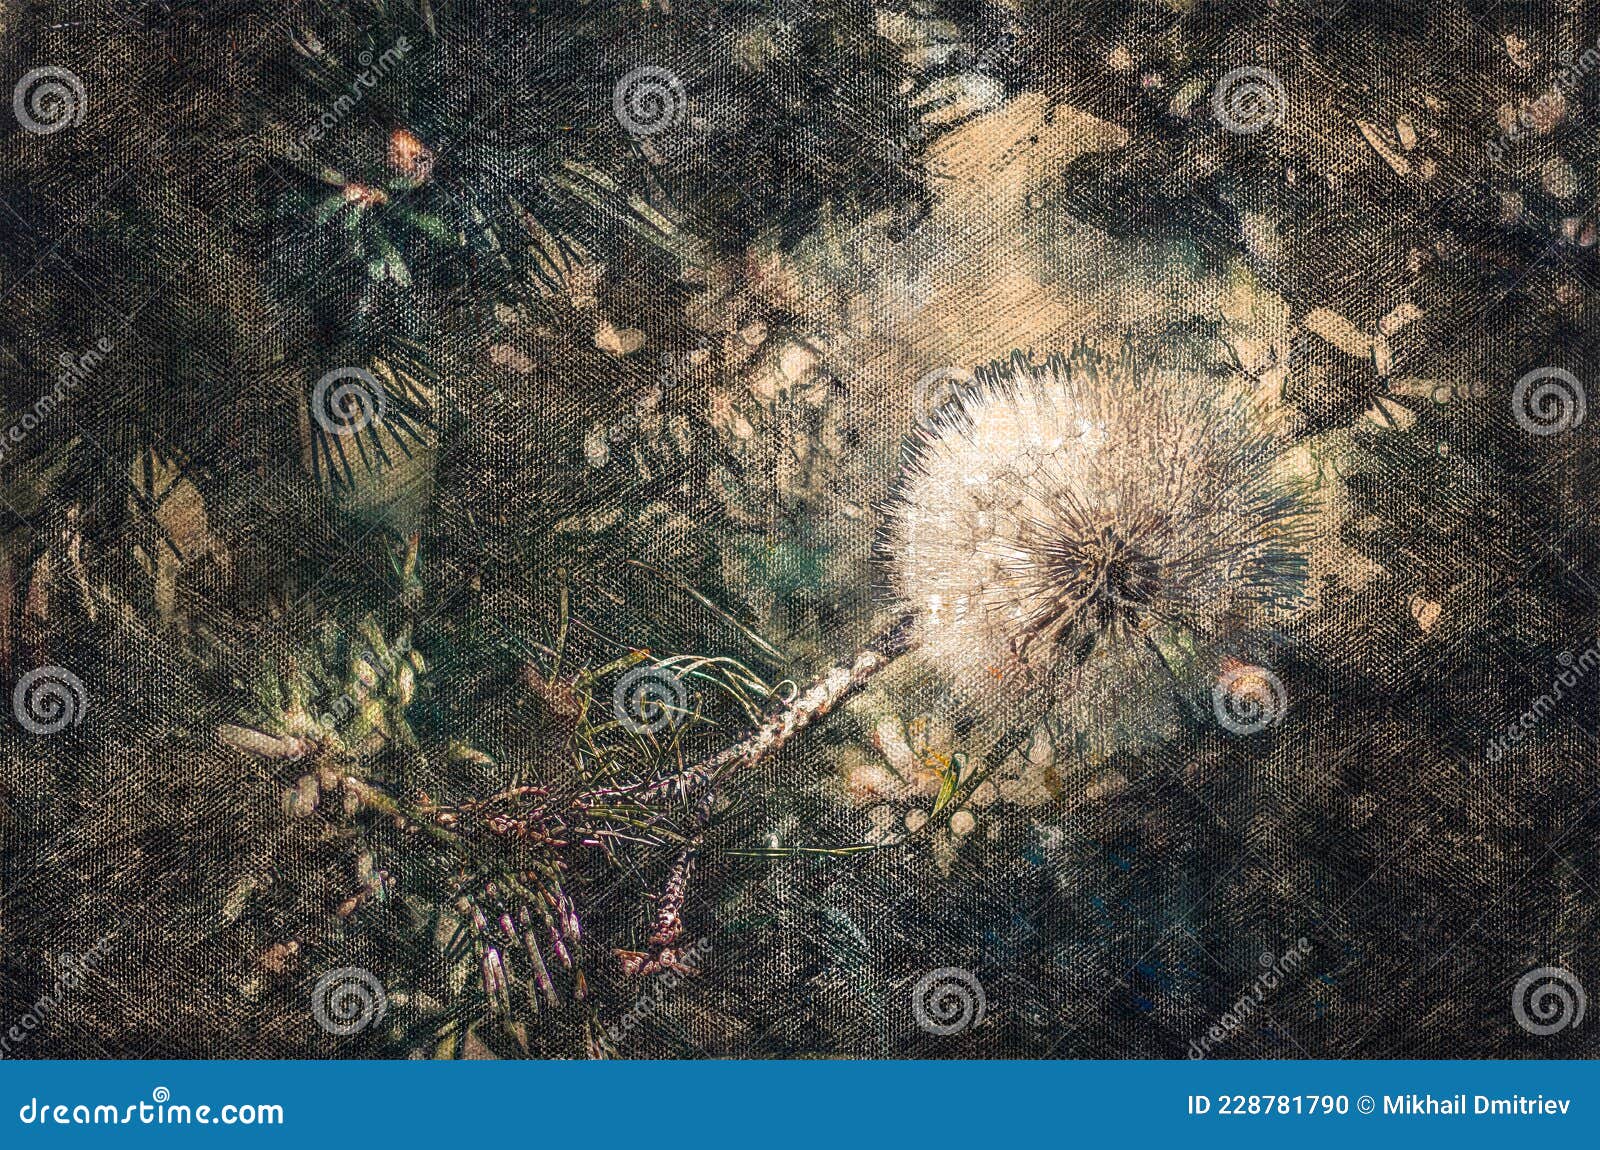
point(833, 529)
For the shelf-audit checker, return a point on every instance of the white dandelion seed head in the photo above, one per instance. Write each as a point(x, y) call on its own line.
point(1055, 522)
